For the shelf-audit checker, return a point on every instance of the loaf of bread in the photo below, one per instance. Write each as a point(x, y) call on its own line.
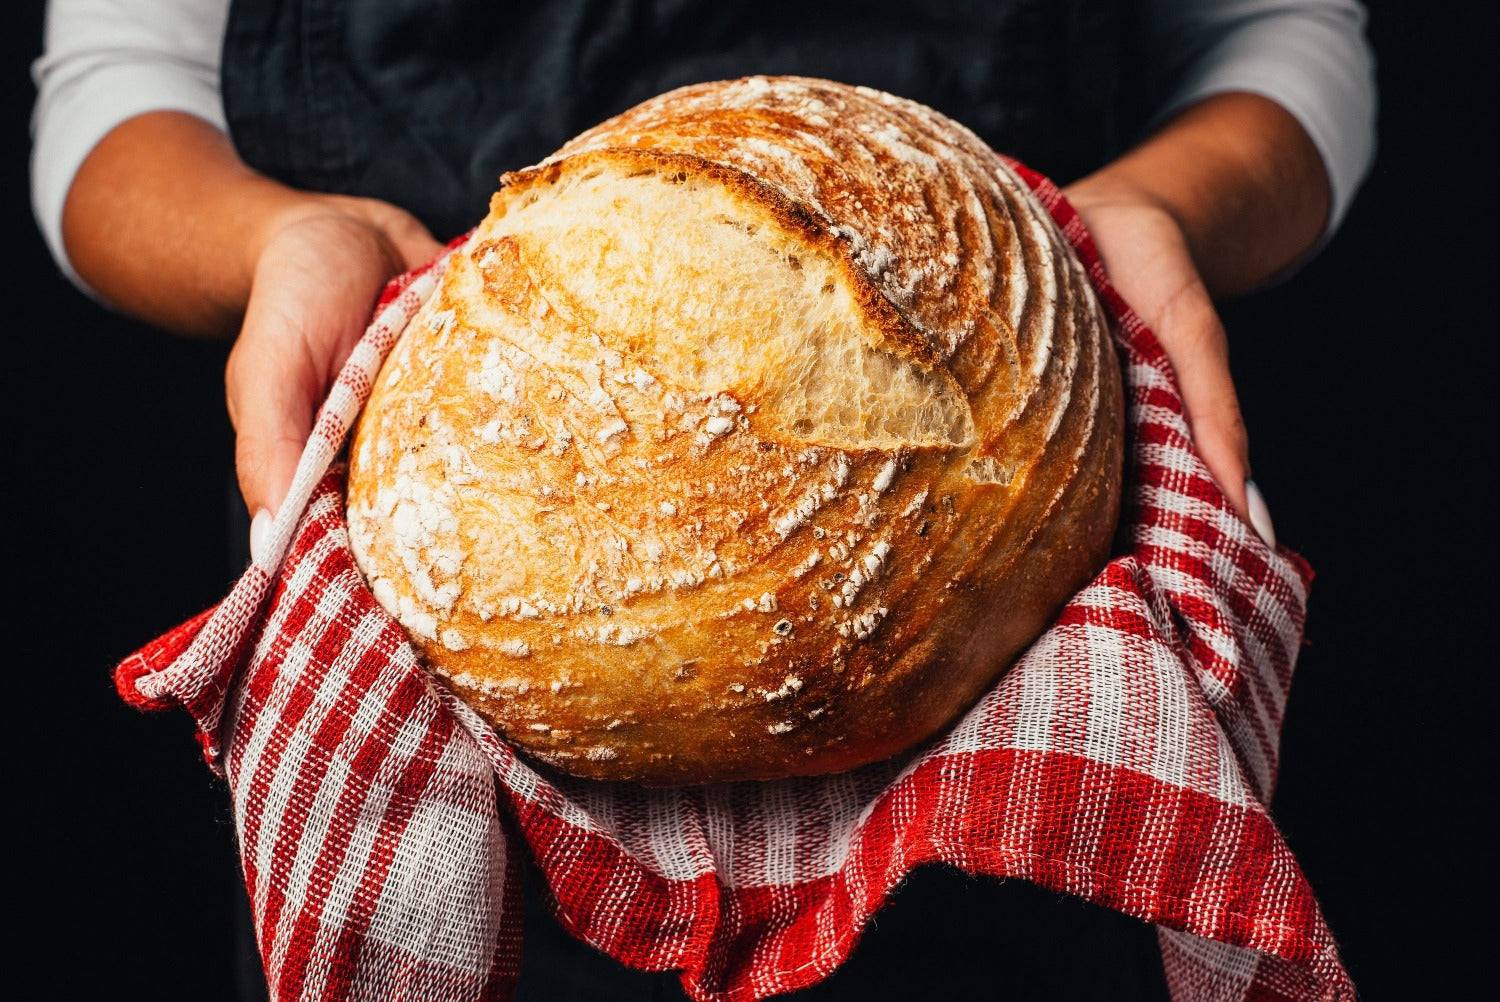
point(750, 435)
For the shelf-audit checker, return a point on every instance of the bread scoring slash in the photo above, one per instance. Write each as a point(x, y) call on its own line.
point(750, 435)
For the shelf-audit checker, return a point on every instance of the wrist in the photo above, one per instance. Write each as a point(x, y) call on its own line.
point(1143, 183)
point(1240, 178)
point(383, 224)
point(275, 208)
point(1111, 186)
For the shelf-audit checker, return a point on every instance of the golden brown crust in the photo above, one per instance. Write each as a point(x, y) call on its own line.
point(751, 435)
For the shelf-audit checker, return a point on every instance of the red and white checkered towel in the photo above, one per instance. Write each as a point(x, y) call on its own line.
point(1126, 758)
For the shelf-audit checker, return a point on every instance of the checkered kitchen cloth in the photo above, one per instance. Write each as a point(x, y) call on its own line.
point(1126, 758)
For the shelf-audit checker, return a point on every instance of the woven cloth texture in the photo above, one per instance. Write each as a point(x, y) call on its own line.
point(1126, 758)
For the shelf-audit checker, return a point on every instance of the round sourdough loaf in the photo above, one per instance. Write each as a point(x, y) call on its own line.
point(750, 435)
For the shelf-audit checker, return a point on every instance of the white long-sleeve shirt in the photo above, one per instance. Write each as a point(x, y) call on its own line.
point(105, 61)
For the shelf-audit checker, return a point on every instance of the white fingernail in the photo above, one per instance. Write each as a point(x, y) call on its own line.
point(1260, 515)
point(260, 534)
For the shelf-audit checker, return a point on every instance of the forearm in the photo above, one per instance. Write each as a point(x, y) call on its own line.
point(1241, 178)
point(166, 222)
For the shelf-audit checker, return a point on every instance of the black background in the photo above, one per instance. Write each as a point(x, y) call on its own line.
point(1368, 391)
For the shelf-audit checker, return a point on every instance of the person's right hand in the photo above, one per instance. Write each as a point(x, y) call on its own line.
point(164, 221)
point(316, 279)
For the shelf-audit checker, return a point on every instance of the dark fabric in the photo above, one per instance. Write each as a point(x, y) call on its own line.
point(944, 935)
point(425, 102)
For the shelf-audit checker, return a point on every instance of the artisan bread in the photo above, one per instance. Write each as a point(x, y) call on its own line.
point(750, 435)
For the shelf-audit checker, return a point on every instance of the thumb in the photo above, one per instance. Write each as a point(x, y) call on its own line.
point(272, 408)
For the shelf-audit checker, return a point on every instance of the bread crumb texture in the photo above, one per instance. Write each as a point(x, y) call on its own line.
point(750, 435)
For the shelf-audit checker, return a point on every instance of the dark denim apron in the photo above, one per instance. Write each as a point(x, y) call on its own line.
point(424, 103)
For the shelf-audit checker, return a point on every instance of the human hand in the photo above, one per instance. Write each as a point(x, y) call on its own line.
point(1147, 258)
point(316, 278)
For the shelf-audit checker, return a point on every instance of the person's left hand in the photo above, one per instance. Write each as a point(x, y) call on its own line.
point(1146, 256)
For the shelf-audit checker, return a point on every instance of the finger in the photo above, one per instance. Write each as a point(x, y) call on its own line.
point(1196, 345)
point(272, 403)
point(1260, 515)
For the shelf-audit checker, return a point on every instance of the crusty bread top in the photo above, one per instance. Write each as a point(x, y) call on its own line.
point(917, 208)
point(751, 434)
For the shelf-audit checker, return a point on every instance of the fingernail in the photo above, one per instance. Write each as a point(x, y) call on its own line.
point(1260, 515)
point(260, 534)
